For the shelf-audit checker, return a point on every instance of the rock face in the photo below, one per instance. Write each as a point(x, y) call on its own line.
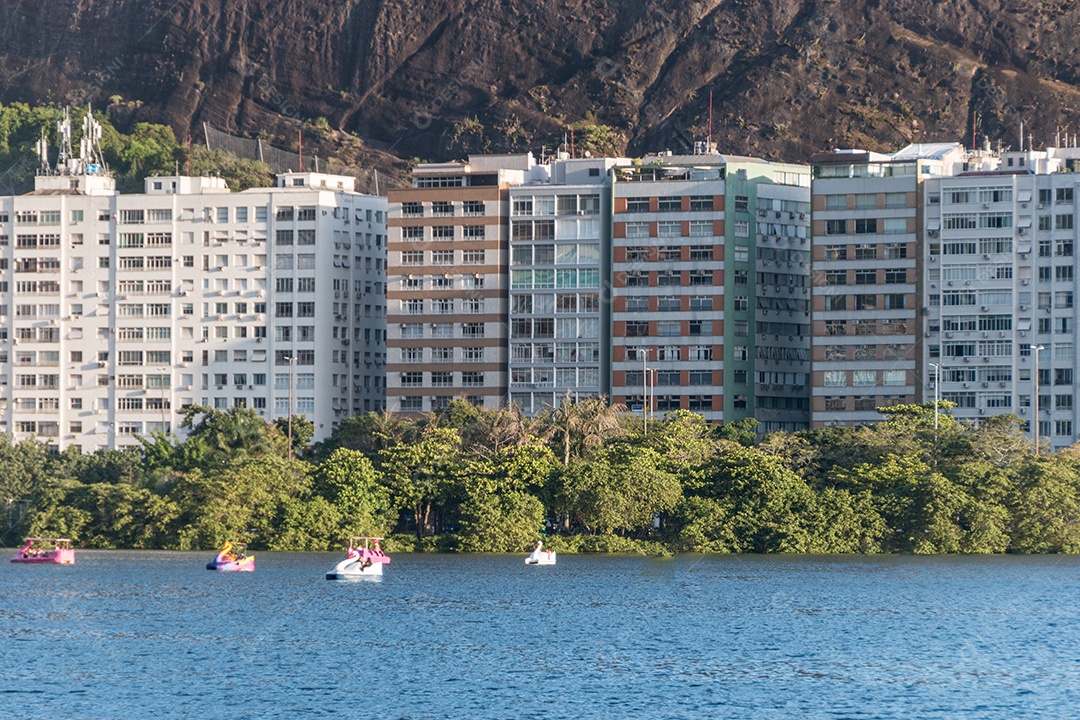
point(438, 78)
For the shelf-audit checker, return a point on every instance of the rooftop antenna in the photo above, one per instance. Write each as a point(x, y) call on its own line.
point(63, 127)
point(974, 132)
point(1021, 136)
point(1057, 137)
point(187, 164)
point(300, 144)
point(42, 149)
point(376, 181)
point(89, 147)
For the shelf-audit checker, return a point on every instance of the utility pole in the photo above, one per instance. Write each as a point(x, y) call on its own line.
point(937, 392)
point(290, 359)
point(1036, 349)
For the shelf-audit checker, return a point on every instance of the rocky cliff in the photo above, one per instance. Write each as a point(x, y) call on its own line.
point(438, 78)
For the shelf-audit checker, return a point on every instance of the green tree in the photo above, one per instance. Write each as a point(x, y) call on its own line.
point(350, 483)
point(621, 489)
point(238, 173)
point(423, 475)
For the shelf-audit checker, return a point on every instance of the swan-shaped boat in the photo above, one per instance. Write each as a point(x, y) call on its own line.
point(45, 551)
point(232, 558)
point(540, 556)
point(365, 558)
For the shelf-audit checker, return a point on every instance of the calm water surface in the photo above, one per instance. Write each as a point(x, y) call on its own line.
point(154, 635)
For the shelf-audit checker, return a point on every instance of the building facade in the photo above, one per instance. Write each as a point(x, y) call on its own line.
point(867, 297)
point(705, 247)
point(559, 252)
point(447, 302)
point(118, 310)
point(1000, 273)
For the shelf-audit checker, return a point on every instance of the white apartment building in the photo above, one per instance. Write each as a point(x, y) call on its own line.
point(118, 310)
point(559, 251)
point(1000, 274)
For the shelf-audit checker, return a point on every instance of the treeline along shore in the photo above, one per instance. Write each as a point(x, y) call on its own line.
point(586, 477)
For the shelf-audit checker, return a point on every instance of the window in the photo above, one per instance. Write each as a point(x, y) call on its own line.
point(472, 257)
point(865, 277)
point(835, 378)
point(836, 227)
point(865, 226)
point(701, 202)
point(895, 277)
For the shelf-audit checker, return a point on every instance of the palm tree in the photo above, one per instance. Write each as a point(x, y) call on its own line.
point(586, 424)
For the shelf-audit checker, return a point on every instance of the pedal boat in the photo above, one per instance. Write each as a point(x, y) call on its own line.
point(45, 551)
point(540, 556)
point(364, 558)
point(232, 558)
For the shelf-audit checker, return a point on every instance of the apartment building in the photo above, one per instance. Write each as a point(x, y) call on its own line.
point(559, 253)
point(999, 244)
point(447, 299)
point(704, 247)
point(118, 310)
point(867, 298)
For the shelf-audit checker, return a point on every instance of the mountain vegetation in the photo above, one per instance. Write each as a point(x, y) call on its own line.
point(586, 476)
point(436, 79)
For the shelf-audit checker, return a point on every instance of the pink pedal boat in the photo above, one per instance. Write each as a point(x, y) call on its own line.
point(232, 558)
point(46, 551)
point(364, 559)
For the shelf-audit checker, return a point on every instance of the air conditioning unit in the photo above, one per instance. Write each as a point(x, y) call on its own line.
point(239, 387)
point(931, 233)
point(1023, 307)
point(986, 384)
point(1002, 384)
point(984, 308)
point(986, 206)
point(1025, 281)
point(948, 334)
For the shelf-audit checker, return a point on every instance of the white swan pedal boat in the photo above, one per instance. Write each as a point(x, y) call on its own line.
point(540, 556)
point(365, 558)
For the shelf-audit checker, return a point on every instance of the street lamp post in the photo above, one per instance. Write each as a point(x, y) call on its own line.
point(1036, 349)
point(937, 391)
point(290, 359)
point(645, 390)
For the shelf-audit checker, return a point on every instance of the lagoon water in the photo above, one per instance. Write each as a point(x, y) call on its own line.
point(154, 635)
